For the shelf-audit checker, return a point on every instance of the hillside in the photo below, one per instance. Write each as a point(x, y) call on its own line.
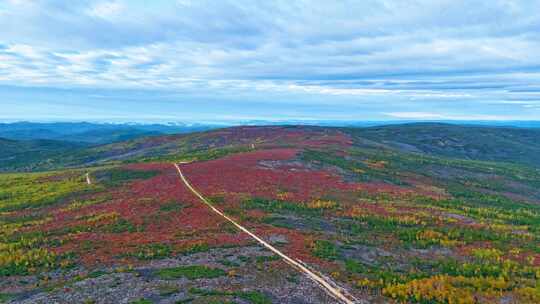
point(28, 155)
point(389, 214)
point(500, 144)
point(505, 144)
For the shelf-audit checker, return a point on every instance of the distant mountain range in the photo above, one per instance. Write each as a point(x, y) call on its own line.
point(91, 133)
point(102, 133)
point(85, 144)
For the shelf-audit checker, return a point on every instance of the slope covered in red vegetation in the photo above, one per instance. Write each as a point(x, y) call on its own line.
point(386, 225)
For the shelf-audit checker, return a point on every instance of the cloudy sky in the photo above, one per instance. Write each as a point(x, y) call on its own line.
point(136, 60)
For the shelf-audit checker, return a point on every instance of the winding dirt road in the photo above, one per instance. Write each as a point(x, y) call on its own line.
point(330, 287)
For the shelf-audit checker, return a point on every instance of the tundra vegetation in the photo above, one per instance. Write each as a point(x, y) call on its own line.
point(387, 224)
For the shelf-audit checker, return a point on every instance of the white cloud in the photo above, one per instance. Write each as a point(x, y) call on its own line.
point(108, 10)
point(415, 115)
point(437, 116)
point(407, 51)
point(184, 2)
point(21, 2)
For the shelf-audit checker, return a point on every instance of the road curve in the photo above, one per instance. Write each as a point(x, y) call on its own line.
point(326, 284)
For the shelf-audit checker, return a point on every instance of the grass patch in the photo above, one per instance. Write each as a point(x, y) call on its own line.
point(153, 251)
point(172, 206)
point(167, 290)
point(196, 248)
point(228, 263)
point(97, 274)
point(253, 297)
point(197, 155)
point(265, 258)
point(4, 297)
point(123, 225)
point(192, 272)
point(280, 206)
point(21, 191)
point(142, 301)
point(119, 176)
point(325, 250)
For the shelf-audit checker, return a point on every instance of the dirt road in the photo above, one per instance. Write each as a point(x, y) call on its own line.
point(330, 287)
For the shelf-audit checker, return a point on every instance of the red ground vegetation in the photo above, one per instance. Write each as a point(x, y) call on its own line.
point(277, 136)
point(240, 173)
point(139, 203)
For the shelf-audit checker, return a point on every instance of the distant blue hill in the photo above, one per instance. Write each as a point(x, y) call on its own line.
point(90, 133)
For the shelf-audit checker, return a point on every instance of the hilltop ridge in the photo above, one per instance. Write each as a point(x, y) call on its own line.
point(501, 144)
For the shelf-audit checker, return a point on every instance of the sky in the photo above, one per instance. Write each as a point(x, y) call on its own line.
point(198, 60)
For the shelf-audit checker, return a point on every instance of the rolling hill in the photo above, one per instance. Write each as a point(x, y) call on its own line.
point(28, 155)
point(408, 213)
point(500, 144)
point(504, 144)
